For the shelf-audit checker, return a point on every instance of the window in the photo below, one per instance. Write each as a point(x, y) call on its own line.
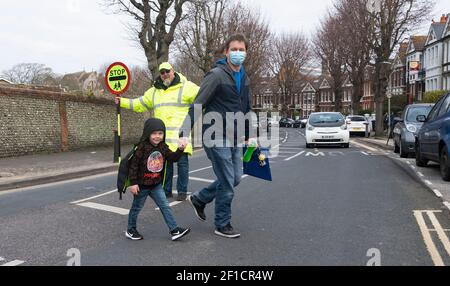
point(435, 110)
point(445, 106)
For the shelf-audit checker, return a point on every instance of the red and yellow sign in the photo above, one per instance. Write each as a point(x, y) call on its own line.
point(118, 78)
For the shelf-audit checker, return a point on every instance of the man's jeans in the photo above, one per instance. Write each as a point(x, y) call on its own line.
point(227, 165)
point(157, 194)
point(183, 175)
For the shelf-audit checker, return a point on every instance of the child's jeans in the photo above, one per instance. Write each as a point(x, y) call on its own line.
point(157, 194)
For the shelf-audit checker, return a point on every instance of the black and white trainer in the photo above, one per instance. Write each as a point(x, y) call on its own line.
point(133, 234)
point(227, 231)
point(199, 208)
point(179, 232)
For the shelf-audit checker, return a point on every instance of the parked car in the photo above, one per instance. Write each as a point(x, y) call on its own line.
point(303, 122)
point(272, 122)
point(407, 127)
point(286, 122)
point(297, 123)
point(433, 139)
point(327, 128)
point(357, 124)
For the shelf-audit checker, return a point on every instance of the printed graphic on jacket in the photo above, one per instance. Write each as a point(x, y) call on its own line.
point(155, 162)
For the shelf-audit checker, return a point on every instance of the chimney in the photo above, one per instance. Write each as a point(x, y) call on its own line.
point(443, 18)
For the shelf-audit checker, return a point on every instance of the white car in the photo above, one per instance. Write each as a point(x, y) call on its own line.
point(327, 128)
point(357, 125)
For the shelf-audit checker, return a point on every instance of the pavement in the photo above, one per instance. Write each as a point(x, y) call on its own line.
point(429, 176)
point(24, 171)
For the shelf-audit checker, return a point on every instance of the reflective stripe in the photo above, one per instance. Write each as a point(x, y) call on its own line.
point(180, 94)
point(172, 104)
point(168, 140)
point(141, 99)
point(172, 128)
point(153, 97)
point(131, 105)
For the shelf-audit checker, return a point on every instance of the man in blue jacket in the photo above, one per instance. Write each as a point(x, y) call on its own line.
point(224, 91)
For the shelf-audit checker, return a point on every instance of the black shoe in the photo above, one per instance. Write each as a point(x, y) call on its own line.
point(133, 234)
point(179, 233)
point(181, 197)
point(227, 231)
point(169, 195)
point(198, 208)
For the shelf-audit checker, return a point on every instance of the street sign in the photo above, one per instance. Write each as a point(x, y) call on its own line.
point(117, 78)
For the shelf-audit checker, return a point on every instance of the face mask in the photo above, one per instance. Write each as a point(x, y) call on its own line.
point(237, 58)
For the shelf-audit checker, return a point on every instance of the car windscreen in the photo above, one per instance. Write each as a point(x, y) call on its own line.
point(357, 119)
point(413, 112)
point(326, 120)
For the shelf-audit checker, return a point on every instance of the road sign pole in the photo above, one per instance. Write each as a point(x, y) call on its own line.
point(118, 79)
point(117, 134)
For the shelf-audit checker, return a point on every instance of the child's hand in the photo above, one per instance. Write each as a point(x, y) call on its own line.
point(182, 143)
point(134, 190)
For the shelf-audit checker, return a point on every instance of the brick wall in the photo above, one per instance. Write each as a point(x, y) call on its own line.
point(35, 121)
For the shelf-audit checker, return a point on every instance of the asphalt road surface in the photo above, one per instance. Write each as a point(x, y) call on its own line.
point(326, 206)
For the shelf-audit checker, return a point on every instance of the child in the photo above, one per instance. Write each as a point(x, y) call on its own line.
point(146, 173)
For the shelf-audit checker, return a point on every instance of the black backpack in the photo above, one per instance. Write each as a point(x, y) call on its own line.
point(123, 180)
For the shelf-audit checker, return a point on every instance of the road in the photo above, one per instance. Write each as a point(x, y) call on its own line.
point(327, 206)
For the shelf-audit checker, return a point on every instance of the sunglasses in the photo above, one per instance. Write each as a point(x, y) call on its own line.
point(163, 72)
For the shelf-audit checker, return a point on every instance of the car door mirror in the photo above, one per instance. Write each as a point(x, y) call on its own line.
point(421, 118)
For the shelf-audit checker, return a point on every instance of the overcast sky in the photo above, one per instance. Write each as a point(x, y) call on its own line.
point(72, 35)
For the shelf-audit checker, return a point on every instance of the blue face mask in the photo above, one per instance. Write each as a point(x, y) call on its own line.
point(237, 58)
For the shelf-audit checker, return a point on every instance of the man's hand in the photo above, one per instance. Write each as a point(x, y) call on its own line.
point(182, 143)
point(252, 141)
point(134, 190)
point(117, 99)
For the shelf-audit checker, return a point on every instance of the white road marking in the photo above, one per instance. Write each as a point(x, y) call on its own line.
point(441, 234)
point(420, 174)
point(2, 259)
point(13, 263)
point(431, 247)
point(367, 154)
point(107, 208)
point(94, 197)
point(437, 193)
point(195, 171)
point(447, 204)
point(172, 204)
point(295, 156)
point(201, 180)
point(428, 182)
point(365, 146)
point(316, 154)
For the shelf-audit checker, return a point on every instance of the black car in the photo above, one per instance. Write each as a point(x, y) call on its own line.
point(297, 123)
point(433, 139)
point(407, 127)
point(286, 122)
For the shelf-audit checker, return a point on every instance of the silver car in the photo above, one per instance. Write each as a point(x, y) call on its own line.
point(407, 127)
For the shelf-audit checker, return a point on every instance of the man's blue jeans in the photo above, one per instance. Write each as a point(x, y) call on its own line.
point(157, 194)
point(227, 166)
point(183, 175)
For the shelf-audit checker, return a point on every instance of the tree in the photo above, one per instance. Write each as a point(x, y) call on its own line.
point(201, 35)
point(329, 49)
point(291, 53)
point(393, 21)
point(156, 25)
point(29, 73)
point(356, 47)
point(211, 22)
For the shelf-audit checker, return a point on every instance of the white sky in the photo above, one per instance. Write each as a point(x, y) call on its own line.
point(72, 35)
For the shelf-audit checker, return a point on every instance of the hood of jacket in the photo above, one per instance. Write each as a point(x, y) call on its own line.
point(150, 126)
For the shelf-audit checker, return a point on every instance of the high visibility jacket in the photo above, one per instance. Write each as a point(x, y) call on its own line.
point(170, 105)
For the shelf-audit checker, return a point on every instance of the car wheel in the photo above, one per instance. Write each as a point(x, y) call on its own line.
point(402, 152)
point(346, 145)
point(420, 162)
point(445, 164)
point(308, 146)
point(396, 148)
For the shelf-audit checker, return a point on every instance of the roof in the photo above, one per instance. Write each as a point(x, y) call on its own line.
point(418, 42)
point(5, 80)
point(437, 30)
